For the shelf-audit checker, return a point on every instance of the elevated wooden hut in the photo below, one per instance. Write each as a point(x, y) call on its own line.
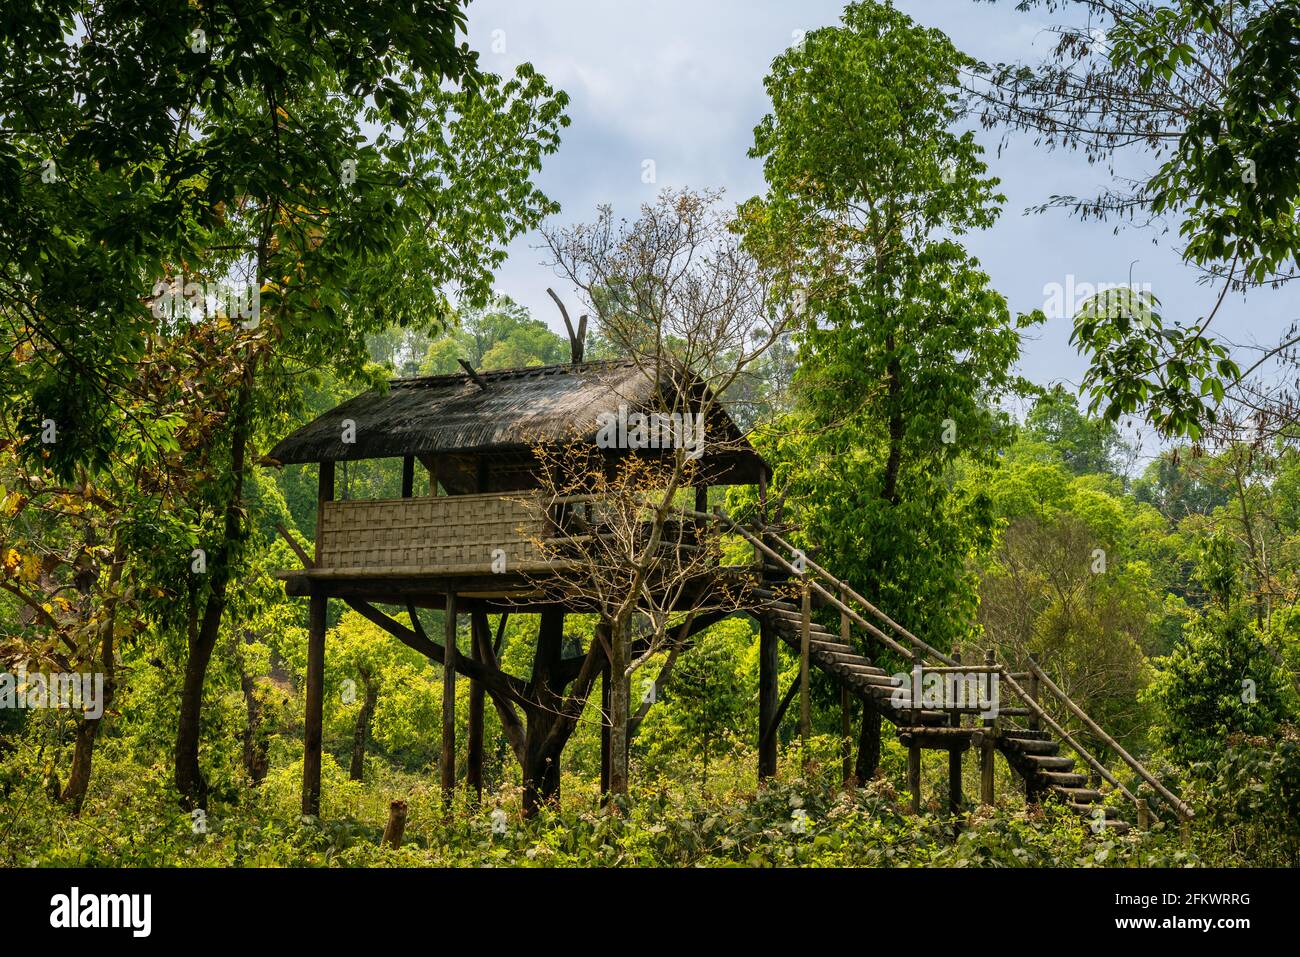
point(469, 544)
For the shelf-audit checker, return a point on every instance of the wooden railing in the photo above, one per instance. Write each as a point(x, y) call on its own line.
point(813, 575)
point(1180, 807)
point(921, 654)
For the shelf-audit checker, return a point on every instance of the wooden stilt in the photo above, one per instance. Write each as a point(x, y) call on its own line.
point(846, 707)
point(954, 779)
point(1031, 792)
point(1034, 723)
point(768, 693)
point(619, 709)
point(448, 758)
point(474, 730)
point(605, 729)
point(805, 647)
point(914, 776)
point(317, 619)
point(312, 715)
point(408, 476)
point(324, 493)
point(954, 760)
point(987, 749)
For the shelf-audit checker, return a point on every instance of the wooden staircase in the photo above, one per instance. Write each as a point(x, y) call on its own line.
point(1032, 751)
point(1032, 754)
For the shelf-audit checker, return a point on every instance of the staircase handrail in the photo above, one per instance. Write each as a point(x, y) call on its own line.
point(847, 590)
point(718, 515)
point(1180, 806)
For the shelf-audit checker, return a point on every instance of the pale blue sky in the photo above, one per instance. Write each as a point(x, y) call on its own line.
point(681, 82)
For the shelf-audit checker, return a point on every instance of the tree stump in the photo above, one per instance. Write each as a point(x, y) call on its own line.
point(396, 826)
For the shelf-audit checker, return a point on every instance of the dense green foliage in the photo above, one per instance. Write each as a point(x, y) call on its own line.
point(143, 543)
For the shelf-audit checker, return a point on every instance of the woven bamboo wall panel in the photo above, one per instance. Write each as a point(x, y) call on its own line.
point(432, 532)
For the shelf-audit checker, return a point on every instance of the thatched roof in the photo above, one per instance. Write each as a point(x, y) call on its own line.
point(513, 409)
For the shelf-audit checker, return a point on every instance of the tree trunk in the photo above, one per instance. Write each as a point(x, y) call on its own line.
point(361, 731)
point(256, 760)
point(894, 385)
point(541, 766)
point(868, 743)
point(74, 791)
point(190, 782)
point(83, 755)
point(618, 709)
point(189, 776)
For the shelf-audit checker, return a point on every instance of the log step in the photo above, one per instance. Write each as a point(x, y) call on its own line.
point(904, 715)
point(1064, 779)
point(879, 681)
point(1031, 746)
point(842, 657)
point(1076, 795)
point(1046, 762)
point(1024, 734)
point(833, 648)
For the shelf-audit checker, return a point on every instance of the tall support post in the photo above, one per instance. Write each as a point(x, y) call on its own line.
point(605, 729)
point(987, 748)
point(914, 749)
point(480, 635)
point(954, 759)
point(312, 716)
point(315, 691)
point(448, 759)
point(955, 799)
point(805, 646)
point(1033, 721)
point(1031, 792)
point(846, 703)
point(324, 494)
point(914, 774)
point(768, 668)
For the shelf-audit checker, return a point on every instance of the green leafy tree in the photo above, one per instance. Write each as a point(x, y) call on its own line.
point(1072, 583)
point(1219, 681)
point(500, 335)
point(906, 348)
point(1206, 90)
point(1083, 444)
point(310, 152)
point(707, 690)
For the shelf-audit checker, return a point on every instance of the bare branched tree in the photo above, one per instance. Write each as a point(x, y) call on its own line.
point(680, 302)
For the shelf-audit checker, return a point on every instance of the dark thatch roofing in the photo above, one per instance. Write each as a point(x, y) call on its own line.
point(517, 409)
